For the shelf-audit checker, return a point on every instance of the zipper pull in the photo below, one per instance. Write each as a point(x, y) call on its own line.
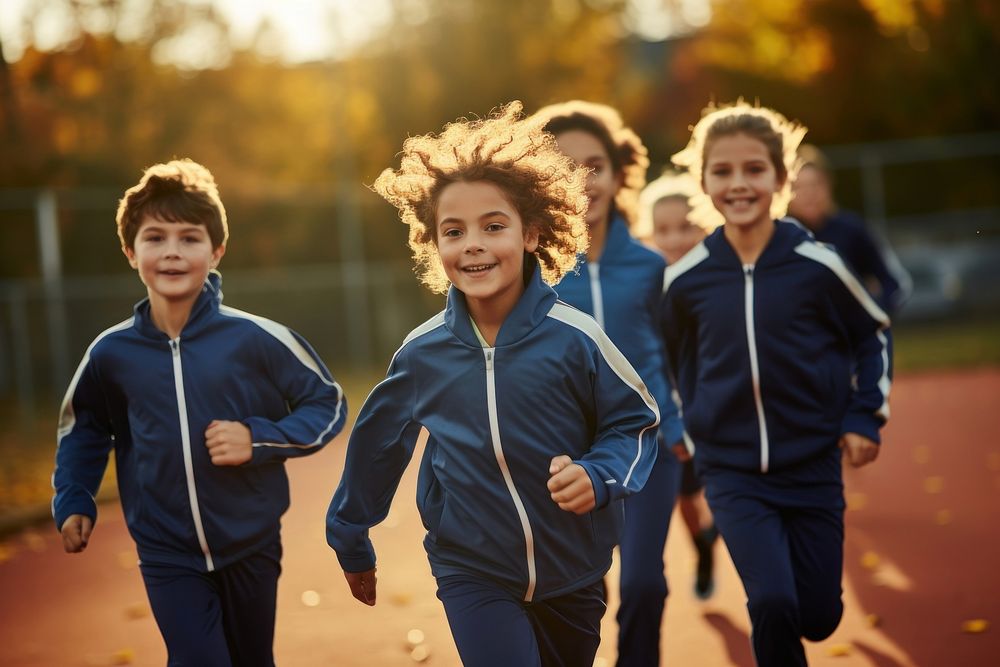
point(489, 360)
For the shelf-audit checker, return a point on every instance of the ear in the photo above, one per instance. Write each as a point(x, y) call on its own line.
point(130, 254)
point(217, 255)
point(531, 239)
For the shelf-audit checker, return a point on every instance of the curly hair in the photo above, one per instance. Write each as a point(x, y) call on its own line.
point(175, 191)
point(779, 135)
point(628, 155)
point(512, 153)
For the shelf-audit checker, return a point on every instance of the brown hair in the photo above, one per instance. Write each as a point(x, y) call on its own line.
point(175, 191)
point(779, 135)
point(625, 149)
point(514, 154)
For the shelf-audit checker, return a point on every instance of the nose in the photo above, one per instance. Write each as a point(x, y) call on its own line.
point(473, 245)
point(172, 248)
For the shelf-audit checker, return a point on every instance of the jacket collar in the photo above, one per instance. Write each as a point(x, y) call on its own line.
point(530, 310)
point(788, 233)
point(204, 307)
point(615, 242)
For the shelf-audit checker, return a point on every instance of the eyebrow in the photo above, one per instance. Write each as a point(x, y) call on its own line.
point(482, 217)
point(190, 227)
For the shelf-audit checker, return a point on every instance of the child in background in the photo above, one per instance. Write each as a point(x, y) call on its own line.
point(538, 426)
point(663, 220)
point(202, 404)
point(813, 205)
point(765, 328)
point(619, 282)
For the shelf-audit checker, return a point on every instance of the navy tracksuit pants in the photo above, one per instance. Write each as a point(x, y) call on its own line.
point(644, 587)
point(785, 533)
point(217, 619)
point(494, 628)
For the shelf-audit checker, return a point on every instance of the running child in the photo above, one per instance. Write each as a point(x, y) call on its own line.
point(538, 426)
point(765, 328)
point(619, 282)
point(664, 221)
point(201, 404)
point(813, 205)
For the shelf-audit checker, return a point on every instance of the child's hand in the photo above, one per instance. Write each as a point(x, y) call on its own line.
point(570, 486)
point(76, 531)
point(362, 585)
point(680, 450)
point(860, 450)
point(229, 443)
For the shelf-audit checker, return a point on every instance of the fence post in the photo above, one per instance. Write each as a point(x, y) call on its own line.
point(47, 223)
point(353, 274)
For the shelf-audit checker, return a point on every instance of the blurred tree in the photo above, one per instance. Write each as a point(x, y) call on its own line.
point(135, 83)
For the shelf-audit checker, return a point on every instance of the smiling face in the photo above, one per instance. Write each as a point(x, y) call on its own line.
point(481, 241)
point(603, 182)
point(741, 180)
point(173, 259)
point(673, 233)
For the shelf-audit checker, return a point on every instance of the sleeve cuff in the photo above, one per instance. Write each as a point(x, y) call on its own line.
point(863, 424)
point(601, 494)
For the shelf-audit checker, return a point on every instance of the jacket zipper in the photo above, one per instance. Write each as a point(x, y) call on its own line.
point(491, 403)
point(175, 350)
point(754, 366)
point(594, 270)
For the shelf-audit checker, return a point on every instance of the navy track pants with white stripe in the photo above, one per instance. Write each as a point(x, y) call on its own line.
point(217, 619)
point(643, 586)
point(785, 533)
point(493, 628)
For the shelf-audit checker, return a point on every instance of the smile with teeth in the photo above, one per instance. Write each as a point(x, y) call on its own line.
point(478, 268)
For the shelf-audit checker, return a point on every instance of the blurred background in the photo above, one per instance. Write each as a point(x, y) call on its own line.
point(296, 106)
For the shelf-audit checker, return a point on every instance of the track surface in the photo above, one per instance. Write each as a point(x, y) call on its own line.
point(922, 554)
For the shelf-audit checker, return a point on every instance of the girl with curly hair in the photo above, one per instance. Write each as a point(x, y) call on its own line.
point(619, 282)
point(537, 425)
point(783, 363)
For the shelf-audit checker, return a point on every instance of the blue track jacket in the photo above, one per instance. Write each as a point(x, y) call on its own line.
point(496, 416)
point(622, 291)
point(774, 361)
point(151, 399)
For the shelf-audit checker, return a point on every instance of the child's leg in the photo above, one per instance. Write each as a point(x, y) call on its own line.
point(490, 626)
point(643, 587)
point(816, 539)
point(188, 611)
point(758, 543)
point(249, 591)
point(568, 628)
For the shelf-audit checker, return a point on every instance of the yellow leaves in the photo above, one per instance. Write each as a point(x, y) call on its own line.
point(934, 484)
point(975, 626)
point(125, 656)
point(838, 650)
point(84, 82)
point(892, 15)
point(870, 560)
point(766, 38)
point(856, 501)
point(137, 611)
